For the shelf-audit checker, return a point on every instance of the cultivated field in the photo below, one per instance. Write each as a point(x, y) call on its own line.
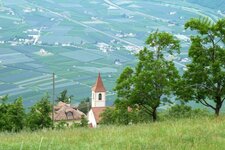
point(78, 39)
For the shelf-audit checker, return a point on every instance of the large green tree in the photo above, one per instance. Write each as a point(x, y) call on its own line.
point(39, 115)
point(12, 115)
point(204, 80)
point(154, 77)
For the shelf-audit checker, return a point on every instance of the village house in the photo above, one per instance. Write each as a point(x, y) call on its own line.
point(68, 113)
point(98, 102)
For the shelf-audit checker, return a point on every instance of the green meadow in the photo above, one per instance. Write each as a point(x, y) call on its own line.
point(195, 133)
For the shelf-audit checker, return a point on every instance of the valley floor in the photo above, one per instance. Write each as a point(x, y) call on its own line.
point(204, 133)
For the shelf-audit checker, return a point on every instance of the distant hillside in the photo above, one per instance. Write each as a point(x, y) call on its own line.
point(215, 4)
point(204, 133)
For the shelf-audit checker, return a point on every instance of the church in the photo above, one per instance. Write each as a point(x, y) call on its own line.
point(98, 102)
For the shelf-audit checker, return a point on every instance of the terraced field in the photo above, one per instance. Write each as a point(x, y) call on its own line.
point(78, 39)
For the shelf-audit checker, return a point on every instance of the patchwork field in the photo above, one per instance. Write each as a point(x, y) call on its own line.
point(78, 39)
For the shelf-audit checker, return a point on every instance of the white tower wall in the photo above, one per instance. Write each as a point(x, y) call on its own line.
point(97, 100)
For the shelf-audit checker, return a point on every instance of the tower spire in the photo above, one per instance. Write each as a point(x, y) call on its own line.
point(99, 86)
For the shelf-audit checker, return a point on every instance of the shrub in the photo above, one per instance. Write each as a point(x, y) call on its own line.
point(84, 121)
point(184, 111)
point(61, 125)
point(12, 115)
point(121, 116)
point(39, 116)
point(85, 105)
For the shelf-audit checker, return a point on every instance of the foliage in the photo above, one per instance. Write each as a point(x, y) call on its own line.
point(61, 125)
point(12, 115)
point(116, 116)
point(85, 105)
point(4, 99)
point(39, 116)
point(163, 42)
point(84, 121)
point(64, 97)
point(184, 111)
point(204, 80)
point(76, 125)
point(153, 79)
point(121, 114)
point(108, 116)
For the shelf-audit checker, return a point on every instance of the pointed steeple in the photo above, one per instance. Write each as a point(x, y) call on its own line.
point(99, 86)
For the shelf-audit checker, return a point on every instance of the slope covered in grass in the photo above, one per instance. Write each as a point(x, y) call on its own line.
point(205, 133)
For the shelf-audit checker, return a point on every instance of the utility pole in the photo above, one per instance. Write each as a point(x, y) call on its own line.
point(53, 97)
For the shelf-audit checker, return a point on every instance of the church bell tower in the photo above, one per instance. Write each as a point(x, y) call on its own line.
point(98, 93)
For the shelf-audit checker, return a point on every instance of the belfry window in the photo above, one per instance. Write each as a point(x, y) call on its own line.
point(100, 96)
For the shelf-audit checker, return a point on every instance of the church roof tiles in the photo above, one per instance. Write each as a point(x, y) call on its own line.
point(99, 86)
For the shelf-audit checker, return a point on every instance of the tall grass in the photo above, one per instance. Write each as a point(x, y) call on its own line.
point(205, 133)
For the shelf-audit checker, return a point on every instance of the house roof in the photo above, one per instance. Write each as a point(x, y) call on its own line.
point(99, 86)
point(97, 112)
point(66, 112)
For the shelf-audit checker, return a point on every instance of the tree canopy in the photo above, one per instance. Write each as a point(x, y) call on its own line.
point(39, 115)
point(204, 80)
point(64, 97)
point(147, 85)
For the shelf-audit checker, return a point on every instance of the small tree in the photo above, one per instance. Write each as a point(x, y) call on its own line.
point(64, 97)
point(204, 80)
point(3, 113)
point(122, 114)
point(17, 114)
point(39, 116)
point(84, 121)
point(85, 105)
point(153, 78)
point(108, 116)
point(12, 115)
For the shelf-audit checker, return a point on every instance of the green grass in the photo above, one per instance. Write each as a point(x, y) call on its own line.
point(205, 133)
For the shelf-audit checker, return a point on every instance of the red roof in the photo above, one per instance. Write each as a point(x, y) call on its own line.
point(97, 112)
point(99, 86)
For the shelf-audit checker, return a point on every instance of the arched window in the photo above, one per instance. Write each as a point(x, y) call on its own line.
point(69, 115)
point(100, 96)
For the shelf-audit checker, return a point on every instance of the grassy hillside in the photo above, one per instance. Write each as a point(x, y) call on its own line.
point(206, 133)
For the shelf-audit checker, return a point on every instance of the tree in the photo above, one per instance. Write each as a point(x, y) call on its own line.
point(122, 114)
point(85, 105)
point(39, 116)
point(84, 121)
point(3, 112)
point(147, 85)
point(12, 115)
point(17, 115)
point(108, 116)
point(64, 97)
point(204, 80)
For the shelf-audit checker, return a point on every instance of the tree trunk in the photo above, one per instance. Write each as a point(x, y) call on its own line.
point(154, 114)
point(218, 106)
point(217, 110)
